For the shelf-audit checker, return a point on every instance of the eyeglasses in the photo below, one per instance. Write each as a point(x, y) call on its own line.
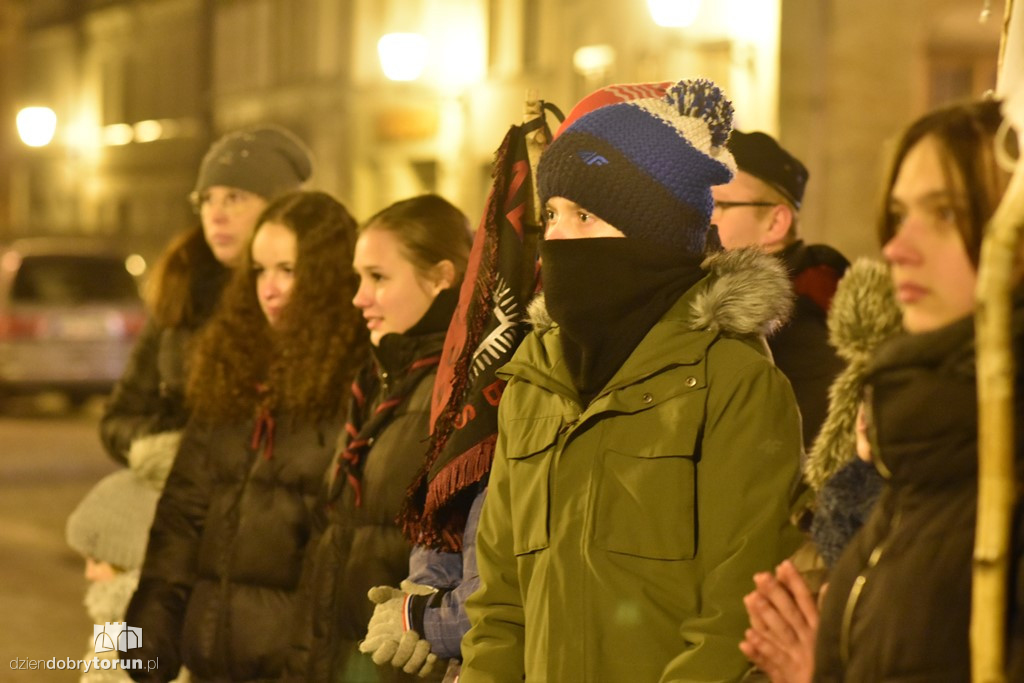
point(722, 205)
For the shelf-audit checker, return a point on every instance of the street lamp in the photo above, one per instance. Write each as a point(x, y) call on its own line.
point(673, 13)
point(36, 125)
point(403, 56)
point(593, 60)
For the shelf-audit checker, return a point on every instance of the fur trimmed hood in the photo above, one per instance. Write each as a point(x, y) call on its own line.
point(863, 315)
point(747, 292)
point(152, 456)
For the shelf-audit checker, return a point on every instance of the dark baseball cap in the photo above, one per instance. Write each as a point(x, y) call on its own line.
point(760, 155)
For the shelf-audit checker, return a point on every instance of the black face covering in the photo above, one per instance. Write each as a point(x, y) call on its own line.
point(606, 294)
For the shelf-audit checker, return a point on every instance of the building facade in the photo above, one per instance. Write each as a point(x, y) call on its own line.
point(141, 87)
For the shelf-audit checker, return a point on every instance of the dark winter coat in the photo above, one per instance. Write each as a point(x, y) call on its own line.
point(361, 546)
point(618, 539)
point(898, 603)
point(218, 588)
point(800, 348)
point(150, 396)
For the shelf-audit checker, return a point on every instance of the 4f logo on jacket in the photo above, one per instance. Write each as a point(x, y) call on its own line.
point(592, 158)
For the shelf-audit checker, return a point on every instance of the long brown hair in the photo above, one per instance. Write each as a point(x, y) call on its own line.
point(966, 135)
point(184, 285)
point(303, 366)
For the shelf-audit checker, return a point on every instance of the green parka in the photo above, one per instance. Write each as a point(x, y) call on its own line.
point(617, 540)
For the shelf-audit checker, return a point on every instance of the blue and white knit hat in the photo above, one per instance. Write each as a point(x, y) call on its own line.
point(646, 166)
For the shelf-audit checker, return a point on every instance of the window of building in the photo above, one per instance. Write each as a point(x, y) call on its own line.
point(958, 73)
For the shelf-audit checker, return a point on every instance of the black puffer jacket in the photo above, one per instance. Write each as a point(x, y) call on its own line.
point(149, 397)
point(800, 347)
point(218, 588)
point(362, 545)
point(898, 603)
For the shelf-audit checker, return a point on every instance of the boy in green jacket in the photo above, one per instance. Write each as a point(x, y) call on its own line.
point(648, 449)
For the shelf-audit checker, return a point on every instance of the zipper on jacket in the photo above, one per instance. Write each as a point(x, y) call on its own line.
point(876, 452)
point(857, 589)
point(567, 426)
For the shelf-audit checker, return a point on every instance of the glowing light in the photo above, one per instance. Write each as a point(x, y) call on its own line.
point(118, 134)
point(458, 29)
point(36, 125)
point(593, 59)
point(673, 13)
point(135, 264)
point(403, 56)
point(148, 130)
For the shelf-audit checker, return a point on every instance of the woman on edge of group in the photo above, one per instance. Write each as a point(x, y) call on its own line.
point(410, 258)
point(240, 173)
point(267, 389)
point(899, 598)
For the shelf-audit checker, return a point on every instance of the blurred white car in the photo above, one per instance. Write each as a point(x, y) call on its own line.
point(70, 312)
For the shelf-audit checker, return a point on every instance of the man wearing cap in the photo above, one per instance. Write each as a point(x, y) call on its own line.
point(760, 207)
point(648, 448)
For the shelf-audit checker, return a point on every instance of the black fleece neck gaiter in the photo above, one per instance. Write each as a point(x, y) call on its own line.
point(606, 293)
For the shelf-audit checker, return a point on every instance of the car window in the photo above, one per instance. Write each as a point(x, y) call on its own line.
point(72, 280)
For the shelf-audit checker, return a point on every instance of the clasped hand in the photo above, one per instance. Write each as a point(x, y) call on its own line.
point(783, 625)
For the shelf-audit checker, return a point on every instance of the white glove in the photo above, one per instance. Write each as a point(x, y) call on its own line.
point(387, 637)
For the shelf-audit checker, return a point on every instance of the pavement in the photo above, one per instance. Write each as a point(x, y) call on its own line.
point(49, 459)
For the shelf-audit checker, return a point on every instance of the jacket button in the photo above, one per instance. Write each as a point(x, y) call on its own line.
point(691, 381)
point(646, 398)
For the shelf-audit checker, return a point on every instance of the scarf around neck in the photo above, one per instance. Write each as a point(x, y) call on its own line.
point(404, 360)
point(606, 294)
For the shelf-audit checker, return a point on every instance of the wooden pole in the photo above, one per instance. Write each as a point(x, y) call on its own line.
point(996, 476)
point(536, 141)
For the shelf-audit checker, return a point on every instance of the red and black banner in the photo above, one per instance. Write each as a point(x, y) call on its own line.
point(489, 323)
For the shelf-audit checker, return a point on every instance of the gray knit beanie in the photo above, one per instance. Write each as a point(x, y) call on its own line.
point(111, 524)
point(267, 160)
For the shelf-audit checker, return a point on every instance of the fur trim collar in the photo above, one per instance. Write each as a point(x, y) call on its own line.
point(747, 292)
point(153, 455)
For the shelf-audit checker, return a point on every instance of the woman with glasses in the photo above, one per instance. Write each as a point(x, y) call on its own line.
point(240, 173)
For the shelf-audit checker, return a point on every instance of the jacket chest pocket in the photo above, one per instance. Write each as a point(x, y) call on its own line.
point(529, 472)
point(646, 503)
